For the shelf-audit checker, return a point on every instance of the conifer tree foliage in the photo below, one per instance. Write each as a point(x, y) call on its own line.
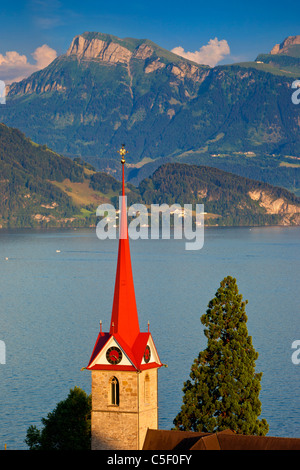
point(223, 389)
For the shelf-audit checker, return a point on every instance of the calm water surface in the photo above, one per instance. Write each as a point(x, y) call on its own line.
point(51, 304)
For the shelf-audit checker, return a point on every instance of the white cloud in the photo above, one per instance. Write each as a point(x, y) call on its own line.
point(210, 54)
point(44, 55)
point(14, 66)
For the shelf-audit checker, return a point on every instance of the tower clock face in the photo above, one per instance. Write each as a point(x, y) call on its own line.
point(114, 355)
point(147, 354)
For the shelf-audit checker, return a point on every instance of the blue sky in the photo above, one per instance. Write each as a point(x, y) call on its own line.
point(248, 27)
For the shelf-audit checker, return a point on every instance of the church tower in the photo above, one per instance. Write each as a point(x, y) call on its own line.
point(124, 363)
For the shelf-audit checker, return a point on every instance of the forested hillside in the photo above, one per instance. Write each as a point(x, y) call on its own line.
point(228, 199)
point(40, 188)
point(30, 176)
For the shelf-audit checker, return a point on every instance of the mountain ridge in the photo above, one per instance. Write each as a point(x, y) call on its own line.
point(94, 45)
point(238, 117)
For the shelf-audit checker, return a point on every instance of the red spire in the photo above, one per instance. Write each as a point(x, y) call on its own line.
point(124, 318)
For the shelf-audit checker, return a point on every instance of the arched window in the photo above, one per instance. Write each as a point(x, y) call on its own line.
point(147, 389)
point(114, 391)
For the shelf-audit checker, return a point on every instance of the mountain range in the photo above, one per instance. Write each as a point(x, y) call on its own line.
point(105, 91)
point(40, 188)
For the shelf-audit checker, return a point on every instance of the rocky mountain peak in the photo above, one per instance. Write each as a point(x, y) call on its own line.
point(108, 48)
point(111, 49)
point(95, 48)
point(284, 46)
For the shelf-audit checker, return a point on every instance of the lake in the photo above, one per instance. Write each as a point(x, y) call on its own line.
point(56, 286)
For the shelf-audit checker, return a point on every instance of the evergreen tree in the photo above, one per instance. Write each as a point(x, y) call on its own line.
point(67, 427)
point(223, 389)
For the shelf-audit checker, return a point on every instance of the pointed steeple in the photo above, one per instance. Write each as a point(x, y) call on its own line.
point(124, 318)
point(124, 347)
point(124, 363)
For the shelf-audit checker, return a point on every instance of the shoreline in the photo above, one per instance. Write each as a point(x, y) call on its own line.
point(72, 229)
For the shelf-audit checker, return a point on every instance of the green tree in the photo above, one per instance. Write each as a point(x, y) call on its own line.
point(67, 427)
point(223, 389)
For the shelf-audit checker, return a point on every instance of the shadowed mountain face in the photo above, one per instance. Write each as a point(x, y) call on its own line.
point(105, 91)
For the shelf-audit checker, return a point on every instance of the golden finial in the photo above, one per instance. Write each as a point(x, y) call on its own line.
point(123, 152)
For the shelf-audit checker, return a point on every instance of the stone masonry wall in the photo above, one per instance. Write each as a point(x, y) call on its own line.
point(123, 427)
